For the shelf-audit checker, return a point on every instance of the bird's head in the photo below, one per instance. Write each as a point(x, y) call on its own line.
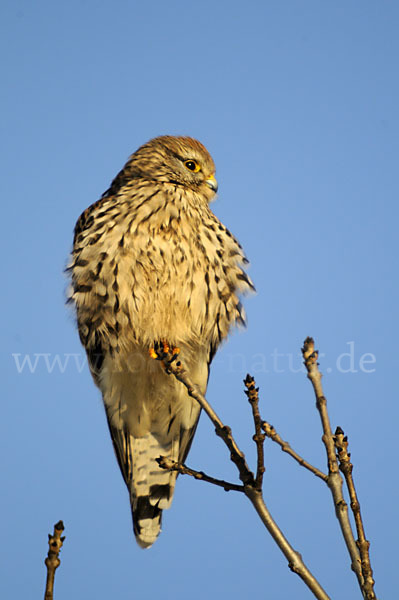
point(182, 161)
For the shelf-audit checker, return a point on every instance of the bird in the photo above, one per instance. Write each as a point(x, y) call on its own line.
point(151, 264)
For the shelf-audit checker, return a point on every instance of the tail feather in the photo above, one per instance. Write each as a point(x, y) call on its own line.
point(148, 478)
point(147, 513)
point(151, 488)
point(161, 495)
point(149, 415)
point(147, 520)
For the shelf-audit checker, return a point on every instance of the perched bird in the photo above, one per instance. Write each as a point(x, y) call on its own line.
point(151, 263)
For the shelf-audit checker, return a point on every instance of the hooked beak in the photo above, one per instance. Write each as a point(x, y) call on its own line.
point(212, 183)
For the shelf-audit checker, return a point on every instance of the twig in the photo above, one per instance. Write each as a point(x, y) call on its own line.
point(334, 480)
point(295, 561)
point(52, 561)
point(252, 393)
point(172, 465)
point(285, 447)
point(341, 445)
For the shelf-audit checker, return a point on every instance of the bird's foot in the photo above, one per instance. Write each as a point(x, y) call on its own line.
point(163, 350)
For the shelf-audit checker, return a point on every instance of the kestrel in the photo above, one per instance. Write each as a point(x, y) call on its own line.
point(151, 263)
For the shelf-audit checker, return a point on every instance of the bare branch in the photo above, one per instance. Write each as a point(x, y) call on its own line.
point(285, 447)
point(341, 445)
point(171, 465)
point(259, 438)
point(52, 561)
point(295, 561)
point(334, 480)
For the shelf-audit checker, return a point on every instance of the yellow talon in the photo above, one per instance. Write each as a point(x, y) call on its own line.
point(152, 353)
point(175, 350)
point(165, 347)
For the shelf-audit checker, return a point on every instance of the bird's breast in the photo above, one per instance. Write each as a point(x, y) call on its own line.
point(157, 273)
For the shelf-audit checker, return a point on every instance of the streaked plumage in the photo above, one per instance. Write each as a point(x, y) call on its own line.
point(151, 262)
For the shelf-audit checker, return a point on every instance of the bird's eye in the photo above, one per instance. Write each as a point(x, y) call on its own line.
point(192, 165)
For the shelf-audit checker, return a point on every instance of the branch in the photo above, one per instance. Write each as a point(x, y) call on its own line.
point(285, 447)
point(171, 465)
point(52, 561)
point(295, 561)
point(259, 438)
point(334, 480)
point(341, 445)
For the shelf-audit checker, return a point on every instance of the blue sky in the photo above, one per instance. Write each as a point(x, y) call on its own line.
point(297, 103)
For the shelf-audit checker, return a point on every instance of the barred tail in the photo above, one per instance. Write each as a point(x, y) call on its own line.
point(146, 422)
point(147, 511)
point(147, 520)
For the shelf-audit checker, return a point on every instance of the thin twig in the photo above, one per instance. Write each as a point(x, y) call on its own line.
point(334, 480)
point(285, 447)
point(295, 561)
point(172, 465)
point(341, 445)
point(259, 438)
point(52, 561)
